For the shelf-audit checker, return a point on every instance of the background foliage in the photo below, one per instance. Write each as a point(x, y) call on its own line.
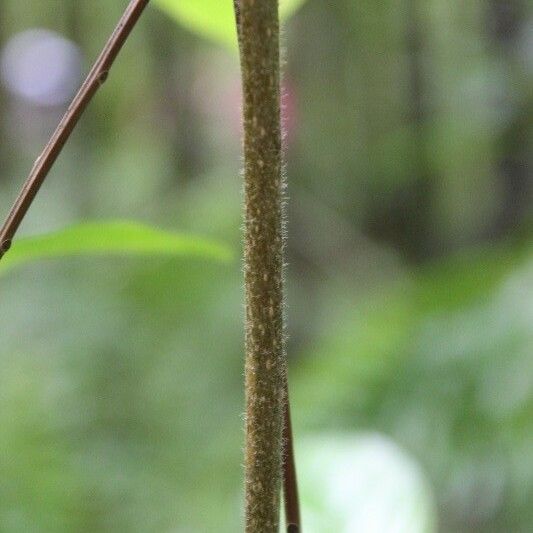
point(408, 128)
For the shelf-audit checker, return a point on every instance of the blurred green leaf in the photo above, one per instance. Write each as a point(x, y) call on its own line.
point(112, 237)
point(214, 18)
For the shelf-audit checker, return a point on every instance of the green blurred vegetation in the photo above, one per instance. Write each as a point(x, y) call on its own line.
point(410, 281)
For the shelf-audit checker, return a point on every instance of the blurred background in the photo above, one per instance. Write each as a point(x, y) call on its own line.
point(410, 272)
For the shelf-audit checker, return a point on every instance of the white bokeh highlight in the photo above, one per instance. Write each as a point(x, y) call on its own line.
point(41, 66)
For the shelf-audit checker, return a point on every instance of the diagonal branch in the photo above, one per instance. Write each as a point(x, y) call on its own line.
point(53, 148)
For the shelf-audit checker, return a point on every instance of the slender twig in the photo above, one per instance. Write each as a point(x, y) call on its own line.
point(90, 86)
point(267, 413)
point(290, 481)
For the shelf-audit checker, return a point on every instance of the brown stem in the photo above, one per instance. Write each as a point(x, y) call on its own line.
point(258, 27)
point(290, 481)
point(45, 161)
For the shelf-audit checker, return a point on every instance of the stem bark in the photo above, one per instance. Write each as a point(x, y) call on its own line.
point(258, 25)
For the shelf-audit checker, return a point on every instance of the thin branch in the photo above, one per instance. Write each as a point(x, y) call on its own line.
point(258, 32)
point(45, 161)
point(290, 481)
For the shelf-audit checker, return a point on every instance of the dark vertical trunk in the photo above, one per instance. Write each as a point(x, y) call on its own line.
point(417, 227)
point(506, 20)
point(404, 219)
point(173, 73)
point(72, 19)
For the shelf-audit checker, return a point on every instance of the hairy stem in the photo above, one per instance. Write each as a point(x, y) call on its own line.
point(258, 25)
point(93, 82)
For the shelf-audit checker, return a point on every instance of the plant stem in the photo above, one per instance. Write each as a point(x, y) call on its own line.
point(290, 481)
point(53, 148)
point(258, 26)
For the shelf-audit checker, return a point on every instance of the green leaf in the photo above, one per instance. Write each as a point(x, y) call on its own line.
point(214, 18)
point(112, 237)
